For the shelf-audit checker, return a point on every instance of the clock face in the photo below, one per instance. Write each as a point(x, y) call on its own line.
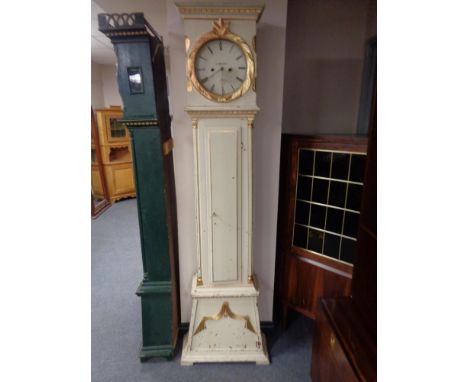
point(221, 67)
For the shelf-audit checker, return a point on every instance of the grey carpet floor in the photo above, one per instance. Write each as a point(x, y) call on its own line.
point(116, 319)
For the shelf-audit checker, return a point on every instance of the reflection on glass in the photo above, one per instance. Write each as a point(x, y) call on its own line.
point(304, 185)
point(302, 212)
point(315, 240)
point(320, 191)
point(358, 166)
point(322, 163)
point(300, 236)
point(340, 166)
point(135, 80)
point(334, 220)
point(117, 129)
point(306, 162)
point(317, 216)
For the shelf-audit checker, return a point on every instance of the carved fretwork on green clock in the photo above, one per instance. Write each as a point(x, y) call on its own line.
point(141, 77)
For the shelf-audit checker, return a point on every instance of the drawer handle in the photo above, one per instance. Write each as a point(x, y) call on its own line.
point(332, 340)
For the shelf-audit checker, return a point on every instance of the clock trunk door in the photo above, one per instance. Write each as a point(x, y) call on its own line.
point(221, 158)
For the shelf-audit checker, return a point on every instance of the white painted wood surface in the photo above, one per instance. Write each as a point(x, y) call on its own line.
point(224, 324)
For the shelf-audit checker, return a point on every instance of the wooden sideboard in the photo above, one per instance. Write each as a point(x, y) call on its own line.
point(321, 184)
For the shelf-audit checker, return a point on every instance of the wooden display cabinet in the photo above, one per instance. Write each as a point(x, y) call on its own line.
point(116, 154)
point(99, 195)
point(320, 195)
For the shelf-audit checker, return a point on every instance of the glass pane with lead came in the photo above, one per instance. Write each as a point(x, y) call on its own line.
point(351, 224)
point(358, 166)
point(354, 197)
point(322, 163)
point(315, 242)
point(320, 191)
point(334, 220)
point(300, 236)
point(306, 162)
point(317, 216)
point(337, 195)
point(348, 247)
point(302, 212)
point(332, 245)
point(340, 166)
point(304, 185)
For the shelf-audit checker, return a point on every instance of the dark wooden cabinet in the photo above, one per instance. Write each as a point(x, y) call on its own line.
point(321, 184)
point(345, 334)
point(307, 282)
point(342, 349)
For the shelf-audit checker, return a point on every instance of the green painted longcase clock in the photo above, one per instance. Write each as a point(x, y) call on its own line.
point(141, 77)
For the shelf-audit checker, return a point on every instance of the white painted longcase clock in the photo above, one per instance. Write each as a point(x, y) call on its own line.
point(221, 101)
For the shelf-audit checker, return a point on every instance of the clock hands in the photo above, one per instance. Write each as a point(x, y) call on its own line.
point(212, 74)
point(228, 76)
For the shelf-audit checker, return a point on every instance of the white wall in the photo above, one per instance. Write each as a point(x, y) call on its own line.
point(97, 97)
point(271, 43)
point(110, 88)
point(104, 87)
point(325, 49)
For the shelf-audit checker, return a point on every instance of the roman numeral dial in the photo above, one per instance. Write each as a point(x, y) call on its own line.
point(221, 67)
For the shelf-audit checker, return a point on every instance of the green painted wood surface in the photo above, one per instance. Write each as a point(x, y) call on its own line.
point(148, 166)
point(136, 54)
point(135, 48)
point(156, 287)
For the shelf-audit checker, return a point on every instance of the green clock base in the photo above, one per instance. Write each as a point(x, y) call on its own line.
point(163, 351)
point(157, 321)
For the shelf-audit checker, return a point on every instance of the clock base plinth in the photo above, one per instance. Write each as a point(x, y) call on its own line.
point(189, 358)
point(147, 352)
point(224, 327)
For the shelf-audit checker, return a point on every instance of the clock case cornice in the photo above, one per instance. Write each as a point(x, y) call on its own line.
point(121, 26)
point(211, 11)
